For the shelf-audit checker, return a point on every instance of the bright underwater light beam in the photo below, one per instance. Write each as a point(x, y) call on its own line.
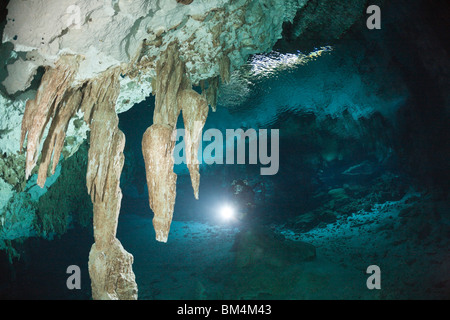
point(227, 212)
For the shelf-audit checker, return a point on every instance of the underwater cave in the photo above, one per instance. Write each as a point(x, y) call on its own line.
point(225, 150)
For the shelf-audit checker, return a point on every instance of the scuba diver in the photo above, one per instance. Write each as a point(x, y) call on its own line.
point(243, 199)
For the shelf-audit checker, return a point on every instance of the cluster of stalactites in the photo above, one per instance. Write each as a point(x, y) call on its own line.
point(174, 94)
point(56, 101)
point(210, 93)
point(210, 87)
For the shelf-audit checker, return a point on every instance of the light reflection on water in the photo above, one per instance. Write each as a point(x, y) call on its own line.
point(269, 65)
point(251, 85)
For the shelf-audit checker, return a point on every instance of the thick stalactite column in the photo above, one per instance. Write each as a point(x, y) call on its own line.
point(157, 148)
point(174, 93)
point(110, 266)
point(158, 142)
point(195, 111)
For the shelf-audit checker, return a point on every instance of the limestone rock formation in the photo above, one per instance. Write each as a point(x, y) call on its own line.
point(58, 101)
point(111, 274)
point(38, 112)
point(212, 36)
point(211, 92)
point(157, 147)
point(170, 72)
point(109, 264)
point(195, 112)
point(54, 142)
point(158, 144)
point(174, 93)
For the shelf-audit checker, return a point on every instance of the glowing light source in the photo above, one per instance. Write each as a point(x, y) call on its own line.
point(227, 212)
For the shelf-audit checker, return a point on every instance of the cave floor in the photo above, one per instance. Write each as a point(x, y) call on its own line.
point(198, 261)
point(408, 239)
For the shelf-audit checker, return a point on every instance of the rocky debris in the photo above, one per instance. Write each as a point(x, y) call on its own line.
point(349, 199)
point(405, 232)
point(12, 171)
point(427, 219)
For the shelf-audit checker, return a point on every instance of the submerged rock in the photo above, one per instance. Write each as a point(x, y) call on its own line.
point(363, 168)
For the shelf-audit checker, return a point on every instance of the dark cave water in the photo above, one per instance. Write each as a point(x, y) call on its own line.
point(344, 185)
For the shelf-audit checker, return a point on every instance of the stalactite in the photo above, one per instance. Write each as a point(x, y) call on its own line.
point(195, 112)
point(54, 142)
point(38, 112)
point(157, 147)
point(169, 79)
point(173, 91)
point(105, 163)
point(110, 266)
point(98, 104)
point(224, 69)
point(157, 142)
point(56, 100)
point(211, 92)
